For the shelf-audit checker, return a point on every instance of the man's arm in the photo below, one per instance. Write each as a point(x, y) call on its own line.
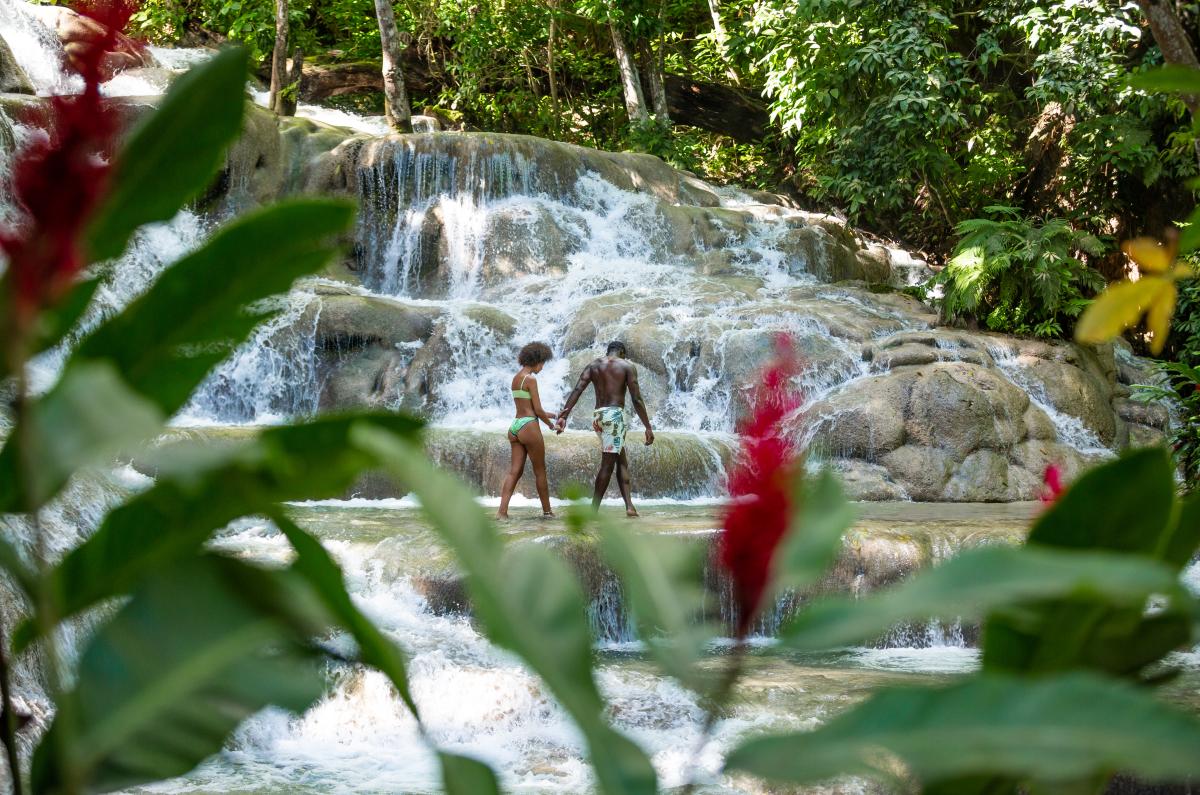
point(585, 378)
point(639, 405)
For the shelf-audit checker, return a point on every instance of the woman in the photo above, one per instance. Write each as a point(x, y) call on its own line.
point(524, 434)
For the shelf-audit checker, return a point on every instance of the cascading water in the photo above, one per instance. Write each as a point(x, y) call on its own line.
point(504, 248)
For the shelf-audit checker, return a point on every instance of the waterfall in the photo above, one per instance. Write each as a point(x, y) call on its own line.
point(37, 50)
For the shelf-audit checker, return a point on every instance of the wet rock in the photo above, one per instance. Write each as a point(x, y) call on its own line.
point(962, 407)
point(1154, 415)
point(1073, 391)
point(869, 482)
point(76, 31)
point(922, 470)
point(13, 79)
point(347, 321)
point(986, 476)
point(865, 422)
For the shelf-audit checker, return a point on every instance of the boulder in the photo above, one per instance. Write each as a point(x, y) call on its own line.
point(921, 470)
point(866, 421)
point(348, 321)
point(961, 407)
point(13, 79)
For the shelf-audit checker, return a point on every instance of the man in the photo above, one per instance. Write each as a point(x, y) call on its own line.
point(611, 375)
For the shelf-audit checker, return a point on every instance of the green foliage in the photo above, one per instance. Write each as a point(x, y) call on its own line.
point(1065, 615)
point(977, 582)
point(915, 115)
point(171, 157)
point(1019, 276)
point(201, 646)
point(202, 641)
point(528, 601)
point(1052, 731)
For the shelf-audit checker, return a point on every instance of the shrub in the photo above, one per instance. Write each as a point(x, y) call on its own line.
point(1019, 275)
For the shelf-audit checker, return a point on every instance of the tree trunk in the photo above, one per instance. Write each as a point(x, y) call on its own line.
point(654, 81)
point(550, 64)
point(279, 55)
point(1172, 39)
point(722, 39)
point(289, 99)
point(399, 114)
point(631, 84)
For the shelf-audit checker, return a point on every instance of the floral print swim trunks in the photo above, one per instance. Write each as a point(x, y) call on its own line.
point(613, 426)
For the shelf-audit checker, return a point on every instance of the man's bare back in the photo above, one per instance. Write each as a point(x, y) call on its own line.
point(611, 376)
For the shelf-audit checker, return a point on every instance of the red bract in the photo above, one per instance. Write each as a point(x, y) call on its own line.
point(760, 486)
point(1052, 484)
point(58, 180)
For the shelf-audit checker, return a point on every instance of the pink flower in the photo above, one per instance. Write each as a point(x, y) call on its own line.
point(1052, 485)
point(59, 180)
point(761, 485)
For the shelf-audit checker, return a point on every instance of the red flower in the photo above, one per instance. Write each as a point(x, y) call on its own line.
point(1052, 484)
point(760, 486)
point(58, 180)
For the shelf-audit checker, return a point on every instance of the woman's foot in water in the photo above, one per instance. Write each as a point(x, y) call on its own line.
point(631, 513)
point(502, 517)
point(549, 515)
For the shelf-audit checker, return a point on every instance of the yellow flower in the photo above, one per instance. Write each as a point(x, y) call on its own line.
point(1122, 305)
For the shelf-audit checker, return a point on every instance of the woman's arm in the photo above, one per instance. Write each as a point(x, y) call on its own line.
point(536, 400)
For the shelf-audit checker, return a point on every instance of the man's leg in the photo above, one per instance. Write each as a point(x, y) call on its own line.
point(623, 482)
point(607, 462)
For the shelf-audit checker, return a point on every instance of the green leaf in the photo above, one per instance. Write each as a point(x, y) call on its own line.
point(815, 536)
point(192, 499)
point(166, 341)
point(1118, 308)
point(462, 775)
point(89, 416)
point(174, 153)
point(199, 310)
point(1056, 729)
point(1189, 238)
point(1173, 79)
point(527, 601)
point(976, 582)
point(663, 585)
point(200, 647)
point(1125, 505)
point(316, 566)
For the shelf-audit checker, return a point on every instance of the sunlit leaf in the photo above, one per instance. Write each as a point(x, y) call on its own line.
point(1117, 309)
point(1052, 729)
point(1150, 254)
point(1158, 317)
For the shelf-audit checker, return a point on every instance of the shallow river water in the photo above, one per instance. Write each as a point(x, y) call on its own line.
point(480, 701)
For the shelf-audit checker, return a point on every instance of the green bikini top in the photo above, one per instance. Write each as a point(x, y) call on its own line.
point(522, 393)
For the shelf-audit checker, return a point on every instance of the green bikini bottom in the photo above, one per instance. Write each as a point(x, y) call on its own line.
point(519, 423)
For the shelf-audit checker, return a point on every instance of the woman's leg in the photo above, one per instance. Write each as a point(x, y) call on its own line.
point(515, 470)
point(531, 437)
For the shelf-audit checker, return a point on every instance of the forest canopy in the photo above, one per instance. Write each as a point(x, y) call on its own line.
point(907, 116)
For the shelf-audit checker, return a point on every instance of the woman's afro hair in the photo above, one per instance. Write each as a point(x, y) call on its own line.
point(534, 354)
